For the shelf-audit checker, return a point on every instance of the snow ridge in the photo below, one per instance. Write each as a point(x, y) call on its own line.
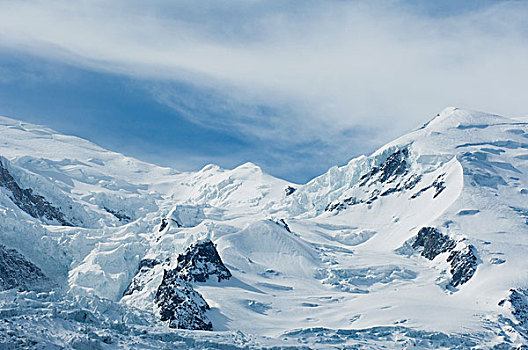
point(422, 243)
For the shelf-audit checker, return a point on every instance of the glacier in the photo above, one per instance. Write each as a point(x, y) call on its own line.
point(421, 244)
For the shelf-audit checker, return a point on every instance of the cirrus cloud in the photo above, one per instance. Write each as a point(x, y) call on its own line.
point(343, 75)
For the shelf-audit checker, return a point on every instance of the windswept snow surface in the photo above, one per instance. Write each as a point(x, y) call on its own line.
point(421, 244)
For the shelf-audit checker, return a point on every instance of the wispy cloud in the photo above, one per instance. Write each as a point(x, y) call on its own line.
point(292, 72)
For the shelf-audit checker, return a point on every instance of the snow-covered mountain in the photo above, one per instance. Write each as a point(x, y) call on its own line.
point(423, 243)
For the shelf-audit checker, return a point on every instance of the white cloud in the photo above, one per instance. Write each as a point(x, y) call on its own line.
point(322, 66)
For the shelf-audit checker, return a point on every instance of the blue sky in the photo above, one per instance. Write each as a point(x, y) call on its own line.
point(295, 87)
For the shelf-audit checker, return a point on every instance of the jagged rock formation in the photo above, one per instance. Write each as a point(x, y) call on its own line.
point(433, 242)
point(517, 302)
point(390, 176)
point(394, 174)
point(408, 184)
point(463, 261)
point(201, 261)
point(394, 165)
point(290, 190)
point(139, 280)
point(35, 205)
point(282, 223)
point(164, 223)
point(17, 271)
point(438, 185)
point(123, 217)
point(463, 265)
point(453, 193)
point(180, 304)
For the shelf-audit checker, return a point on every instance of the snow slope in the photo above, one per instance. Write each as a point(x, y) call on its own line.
point(423, 243)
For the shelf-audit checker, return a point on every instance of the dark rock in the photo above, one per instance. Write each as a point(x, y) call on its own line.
point(35, 205)
point(338, 206)
point(412, 181)
point(394, 165)
point(409, 184)
point(290, 190)
point(518, 303)
point(438, 184)
point(148, 263)
point(17, 271)
point(282, 223)
point(142, 276)
point(463, 265)
point(199, 262)
point(119, 214)
point(178, 224)
point(433, 242)
point(352, 201)
point(180, 304)
point(373, 196)
point(389, 191)
point(463, 261)
point(335, 206)
point(163, 224)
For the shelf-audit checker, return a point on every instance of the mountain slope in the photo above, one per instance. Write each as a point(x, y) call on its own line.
point(424, 240)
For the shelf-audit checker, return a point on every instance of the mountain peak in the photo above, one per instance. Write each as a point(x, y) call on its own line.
point(460, 118)
point(438, 215)
point(210, 167)
point(248, 166)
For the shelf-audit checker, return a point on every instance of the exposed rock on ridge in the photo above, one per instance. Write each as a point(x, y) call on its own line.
point(180, 304)
point(141, 277)
point(177, 301)
point(433, 242)
point(517, 302)
point(201, 261)
point(17, 271)
point(35, 205)
point(463, 261)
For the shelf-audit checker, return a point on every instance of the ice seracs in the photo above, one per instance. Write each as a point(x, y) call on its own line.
point(423, 243)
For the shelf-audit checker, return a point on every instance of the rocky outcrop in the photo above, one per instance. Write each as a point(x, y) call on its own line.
point(17, 271)
point(180, 304)
point(438, 185)
point(120, 215)
point(164, 223)
point(282, 223)
point(290, 190)
point(517, 302)
point(35, 205)
point(394, 165)
point(432, 242)
point(391, 176)
point(462, 258)
point(463, 265)
point(142, 276)
point(201, 261)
